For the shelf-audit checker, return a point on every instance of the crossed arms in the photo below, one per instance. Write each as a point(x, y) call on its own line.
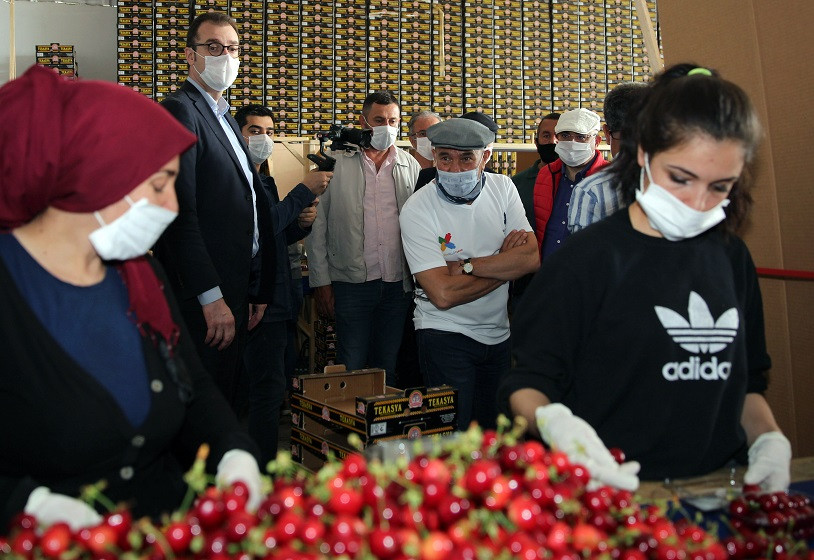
point(447, 286)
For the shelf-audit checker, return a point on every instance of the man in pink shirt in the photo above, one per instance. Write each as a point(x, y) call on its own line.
point(355, 259)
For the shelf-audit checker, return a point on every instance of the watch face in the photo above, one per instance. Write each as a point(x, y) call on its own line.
point(468, 268)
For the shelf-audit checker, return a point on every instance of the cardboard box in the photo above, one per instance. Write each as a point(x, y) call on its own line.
point(359, 401)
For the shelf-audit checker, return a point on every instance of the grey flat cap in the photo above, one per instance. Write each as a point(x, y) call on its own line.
point(460, 134)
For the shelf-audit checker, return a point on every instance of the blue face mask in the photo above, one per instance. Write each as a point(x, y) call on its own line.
point(461, 187)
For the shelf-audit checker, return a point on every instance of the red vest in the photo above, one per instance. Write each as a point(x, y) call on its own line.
point(545, 189)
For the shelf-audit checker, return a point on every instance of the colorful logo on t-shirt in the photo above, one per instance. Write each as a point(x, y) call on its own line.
point(702, 334)
point(446, 242)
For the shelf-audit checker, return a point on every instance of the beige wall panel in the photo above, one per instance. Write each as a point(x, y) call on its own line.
point(800, 311)
point(753, 49)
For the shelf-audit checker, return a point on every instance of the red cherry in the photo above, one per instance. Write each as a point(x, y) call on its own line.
point(452, 508)
point(23, 521)
point(533, 452)
point(523, 512)
point(384, 544)
point(178, 535)
point(239, 524)
point(289, 526)
point(209, 511)
point(354, 466)
point(751, 489)
point(579, 474)
point(489, 439)
point(585, 537)
point(345, 501)
point(312, 531)
point(480, 475)
point(100, 539)
point(499, 494)
point(55, 540)
point(617, 454)
point(558, 537)
point(24, 542)
point(437, 471)
point(436, 546)
point(121, 521)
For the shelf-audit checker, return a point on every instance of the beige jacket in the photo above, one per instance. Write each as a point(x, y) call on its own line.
point(336, 244)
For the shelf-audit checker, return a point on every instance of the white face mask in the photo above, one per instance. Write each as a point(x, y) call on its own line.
point(219, 72)
point(260, 148)
point(383, 136)
point(133, 233)
point(573, 153)
point(671, 217)
point(424, 147)
point(460, 187)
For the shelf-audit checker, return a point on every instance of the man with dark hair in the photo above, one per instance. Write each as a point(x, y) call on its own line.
point(267, 344)
point(429, 173)
point(597, 196)
point(212, 251)
point(546, 141)
point(355, 259)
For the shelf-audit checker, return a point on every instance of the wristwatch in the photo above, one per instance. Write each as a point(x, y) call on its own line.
point(466, 264)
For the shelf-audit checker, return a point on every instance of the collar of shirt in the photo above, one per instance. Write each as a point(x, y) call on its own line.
point(388, 161)
point(219, 107)
point(581, 175)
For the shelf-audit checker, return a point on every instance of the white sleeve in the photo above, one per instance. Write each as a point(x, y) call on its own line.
point(421, 247)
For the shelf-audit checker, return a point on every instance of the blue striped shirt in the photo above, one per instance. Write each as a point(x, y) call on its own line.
point(594, 198)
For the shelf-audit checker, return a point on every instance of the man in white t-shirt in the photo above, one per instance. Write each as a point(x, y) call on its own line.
point(465, 237)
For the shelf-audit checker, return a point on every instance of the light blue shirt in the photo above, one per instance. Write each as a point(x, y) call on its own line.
point(594, 198)
point(221, 108)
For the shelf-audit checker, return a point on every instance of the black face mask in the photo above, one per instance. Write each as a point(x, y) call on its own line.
point(547, 153)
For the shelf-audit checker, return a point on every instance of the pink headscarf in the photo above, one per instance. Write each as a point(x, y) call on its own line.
point(80, 146)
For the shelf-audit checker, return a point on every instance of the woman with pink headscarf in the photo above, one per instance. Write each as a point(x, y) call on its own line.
point(98, 379)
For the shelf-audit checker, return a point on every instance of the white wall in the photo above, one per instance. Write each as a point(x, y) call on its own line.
point(91, 29)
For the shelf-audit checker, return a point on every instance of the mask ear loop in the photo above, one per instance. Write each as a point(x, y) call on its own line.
point(647, 167)
point(98, 216)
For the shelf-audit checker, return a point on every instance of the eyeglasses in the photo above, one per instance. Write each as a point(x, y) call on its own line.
point(216, 49)
point(616, 134)
point(573, 136)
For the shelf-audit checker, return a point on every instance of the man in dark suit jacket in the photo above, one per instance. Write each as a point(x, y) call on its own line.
point(212, 251)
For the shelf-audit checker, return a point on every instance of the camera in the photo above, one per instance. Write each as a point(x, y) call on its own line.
point(341, 138)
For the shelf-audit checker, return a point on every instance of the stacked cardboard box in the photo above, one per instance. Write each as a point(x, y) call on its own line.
point(249, 15)
point(350, 86)
point(282, 82)
point(416, 58)
point(327, 408)
point(448, 93)
point(135, 29)
point(171, 20)
point(61, 58)
point(316, 66)
point(324, 344)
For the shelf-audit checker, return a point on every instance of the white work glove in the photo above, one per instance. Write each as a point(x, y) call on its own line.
point(769, 462)
point(576, 438)
point(241, 465)
point(50, 508)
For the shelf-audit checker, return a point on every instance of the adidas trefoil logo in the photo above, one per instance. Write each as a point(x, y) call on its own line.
point(702, 334)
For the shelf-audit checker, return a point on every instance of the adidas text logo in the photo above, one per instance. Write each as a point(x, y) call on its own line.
point(700, 335)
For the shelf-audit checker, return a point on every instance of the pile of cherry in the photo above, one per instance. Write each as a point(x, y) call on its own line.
point(766, 517)
point(486, 495)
